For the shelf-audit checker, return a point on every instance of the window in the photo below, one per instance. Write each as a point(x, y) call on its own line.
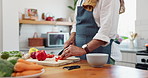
point(127, 19)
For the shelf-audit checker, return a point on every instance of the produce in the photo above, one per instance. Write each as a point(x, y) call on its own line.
point(26, 56)
point(41, 55)
point(6, 68)
point(13, 60)
point(19, 66)
point(15, 54)
point(29, 69)
point(32, 50)
point(33, 55)
point(50, 55)
point(27, 72)
point(5, 55)
point(58, 58)
point(24, 61)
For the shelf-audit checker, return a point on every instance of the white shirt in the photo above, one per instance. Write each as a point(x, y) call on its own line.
point(106, 15)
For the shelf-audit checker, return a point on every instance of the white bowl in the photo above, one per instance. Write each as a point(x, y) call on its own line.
point(97, 59)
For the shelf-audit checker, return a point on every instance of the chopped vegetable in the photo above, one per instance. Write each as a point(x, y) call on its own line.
point(50, 55)
point(58, 58)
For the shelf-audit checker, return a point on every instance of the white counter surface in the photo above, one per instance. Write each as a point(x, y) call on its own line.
point(131, 49)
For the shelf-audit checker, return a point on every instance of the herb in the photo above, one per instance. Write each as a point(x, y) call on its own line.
point(74, 6)
point(7, 54)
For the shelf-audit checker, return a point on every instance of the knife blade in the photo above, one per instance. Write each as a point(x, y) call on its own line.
point(61, 52)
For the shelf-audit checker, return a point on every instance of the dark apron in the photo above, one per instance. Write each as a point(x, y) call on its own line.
point(86, 29)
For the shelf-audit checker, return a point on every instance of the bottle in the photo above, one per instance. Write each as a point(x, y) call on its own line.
point(43, 16)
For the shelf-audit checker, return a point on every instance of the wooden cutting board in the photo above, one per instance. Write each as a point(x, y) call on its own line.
point(52, 62)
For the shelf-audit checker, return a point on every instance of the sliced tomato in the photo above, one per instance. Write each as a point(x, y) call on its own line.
point(58, 58)
point(50, 55)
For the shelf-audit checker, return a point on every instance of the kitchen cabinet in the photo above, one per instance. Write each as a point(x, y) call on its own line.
point(128, 59)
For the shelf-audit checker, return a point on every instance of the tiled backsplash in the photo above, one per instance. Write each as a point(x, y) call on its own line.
point(27, 31)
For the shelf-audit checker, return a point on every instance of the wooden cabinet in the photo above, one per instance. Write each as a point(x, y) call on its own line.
point(128, 59)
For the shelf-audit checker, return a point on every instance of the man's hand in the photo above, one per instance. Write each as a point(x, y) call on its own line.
point(72, 50)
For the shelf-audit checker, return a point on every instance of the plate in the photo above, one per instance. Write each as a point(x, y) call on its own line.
point(28, 76)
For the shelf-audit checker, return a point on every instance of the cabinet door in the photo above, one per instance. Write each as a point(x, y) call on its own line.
point(129, 57)
point(125, 64)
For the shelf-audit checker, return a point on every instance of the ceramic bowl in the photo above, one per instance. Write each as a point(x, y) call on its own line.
point(97, 59)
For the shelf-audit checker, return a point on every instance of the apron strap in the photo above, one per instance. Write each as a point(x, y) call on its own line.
point(81, 3)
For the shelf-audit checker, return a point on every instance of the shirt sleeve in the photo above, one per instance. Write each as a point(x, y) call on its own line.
point(106, 20)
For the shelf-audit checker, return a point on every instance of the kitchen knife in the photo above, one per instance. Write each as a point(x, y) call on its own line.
point(61, 52)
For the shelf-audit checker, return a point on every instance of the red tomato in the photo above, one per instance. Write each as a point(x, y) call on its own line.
point(50, 55)
point(41, 55)
point(58, 58)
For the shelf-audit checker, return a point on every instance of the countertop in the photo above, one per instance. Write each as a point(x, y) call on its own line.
point(133, 50)
point(108, 71)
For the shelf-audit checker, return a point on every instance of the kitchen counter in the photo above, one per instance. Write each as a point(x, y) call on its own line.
point(132, 50)
point(108, 71)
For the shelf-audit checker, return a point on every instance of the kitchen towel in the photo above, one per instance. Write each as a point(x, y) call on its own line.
point(90, 5)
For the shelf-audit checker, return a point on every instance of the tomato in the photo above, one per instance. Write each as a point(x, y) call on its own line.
point(41, 55)
point(50, 55)
point(58, 58)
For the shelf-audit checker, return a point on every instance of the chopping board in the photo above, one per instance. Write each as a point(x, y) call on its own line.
point(52, 62)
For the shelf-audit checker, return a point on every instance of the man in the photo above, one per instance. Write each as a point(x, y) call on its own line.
point(95, 27)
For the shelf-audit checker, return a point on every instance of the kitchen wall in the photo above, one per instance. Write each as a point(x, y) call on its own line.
point(11, 10)
point(1, 44)
point(10, 25)
point(56, 8)
point(141, 24)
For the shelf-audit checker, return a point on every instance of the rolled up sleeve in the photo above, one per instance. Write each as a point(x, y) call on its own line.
point(106, 20)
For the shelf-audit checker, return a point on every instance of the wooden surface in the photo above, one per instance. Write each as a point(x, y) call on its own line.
point(52, 62)
point(108, 71)
point(45, 22)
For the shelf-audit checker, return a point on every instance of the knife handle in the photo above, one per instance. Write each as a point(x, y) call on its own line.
point(71, 67)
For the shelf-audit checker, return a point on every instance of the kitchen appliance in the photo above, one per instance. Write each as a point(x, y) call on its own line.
point(55, 39)
point(142, 60)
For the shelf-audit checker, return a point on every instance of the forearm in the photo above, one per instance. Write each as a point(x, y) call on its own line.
point(72, 36)
point(93, 44)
